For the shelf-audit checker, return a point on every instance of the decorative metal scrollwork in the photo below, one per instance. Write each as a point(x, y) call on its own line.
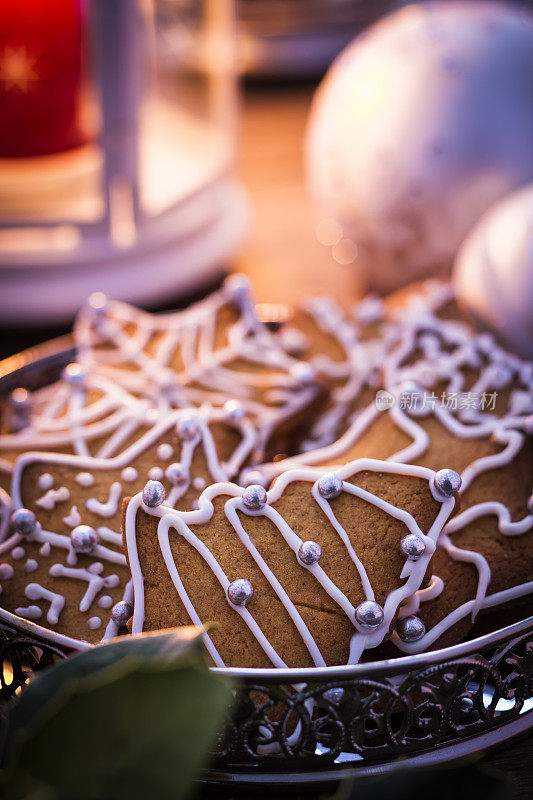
point(375, 720)
point(364, 716)
point(21, 656)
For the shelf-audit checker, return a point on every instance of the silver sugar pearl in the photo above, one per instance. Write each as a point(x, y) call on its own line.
point(412, 546)
point(408, 388)
point(410, 629)
point(187, 428)
point(121, 613)
point(20, 400)
point(18, 414)
point(98, 302)
point(530, 504)
point(240, 592)
point(334, 695)
point(254, 496)
point(369, 614)
point(309, 552)
point(234, 410)
point(84, 539)
point(303, 373)
point(177, 474)
point(237, 289)
point(74, 374)
point(447, 482)
point(24, 522)
point(329, 486)
point(153, 494)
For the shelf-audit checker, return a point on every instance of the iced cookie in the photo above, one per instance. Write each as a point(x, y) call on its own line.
point(447, 397)
point(484, 560)
point(82, 414)
point(311, 573)
point(214, 351)
point(323, 334)
point(349, 351)
point(76, 502)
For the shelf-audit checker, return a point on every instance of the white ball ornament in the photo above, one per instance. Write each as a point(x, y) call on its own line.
point(419, 126)
point(493, 273)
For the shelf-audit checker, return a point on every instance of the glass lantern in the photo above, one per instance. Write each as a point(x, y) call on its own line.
point(116, 163)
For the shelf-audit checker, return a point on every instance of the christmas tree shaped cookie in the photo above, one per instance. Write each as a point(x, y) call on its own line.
point(311, 573)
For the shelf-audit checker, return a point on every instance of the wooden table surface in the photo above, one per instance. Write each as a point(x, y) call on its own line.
point(282, 254)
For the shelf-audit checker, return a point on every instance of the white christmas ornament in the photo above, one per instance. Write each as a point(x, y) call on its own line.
point(419, 126)
point(493, 274)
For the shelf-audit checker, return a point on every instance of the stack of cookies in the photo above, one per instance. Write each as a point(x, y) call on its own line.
point(334, 487)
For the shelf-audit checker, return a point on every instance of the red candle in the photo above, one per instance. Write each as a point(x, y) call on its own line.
point(40, 76)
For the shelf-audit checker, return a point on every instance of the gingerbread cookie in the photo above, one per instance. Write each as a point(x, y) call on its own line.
point(484, 557)
point(214, 351)
point(311, 573)
point(76, 498)
point(348, 352)
point(447, 396)
point(82, 414)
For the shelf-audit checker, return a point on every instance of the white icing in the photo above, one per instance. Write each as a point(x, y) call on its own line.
point(45, 481)
point(93, 623)
point(31, 565)
point(156, 473)
point(6, 572)
point(29, 612)
point(165, 451)
point(34, 591)
point(52, 497)
point(85, 479)
point(17, 553)
point(74, 518)
point(93, 577)
point(109, 508)
point(129, 474)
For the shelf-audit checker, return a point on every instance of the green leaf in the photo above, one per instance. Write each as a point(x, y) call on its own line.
point(121, 655)
point(130, 719)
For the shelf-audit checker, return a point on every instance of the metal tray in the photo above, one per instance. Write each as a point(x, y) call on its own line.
point(315, 726)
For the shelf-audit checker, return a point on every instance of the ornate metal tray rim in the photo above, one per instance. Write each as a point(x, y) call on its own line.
point(290, 675)
point(315, 771)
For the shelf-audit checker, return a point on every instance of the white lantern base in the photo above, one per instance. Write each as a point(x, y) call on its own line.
point(175, 254)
